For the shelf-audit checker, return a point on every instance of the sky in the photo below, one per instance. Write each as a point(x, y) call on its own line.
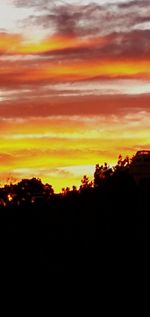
point(74, 86)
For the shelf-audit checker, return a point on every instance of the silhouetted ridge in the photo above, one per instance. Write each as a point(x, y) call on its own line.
point(78, 228)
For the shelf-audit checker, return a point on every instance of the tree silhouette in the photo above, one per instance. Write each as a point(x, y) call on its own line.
point(86, 183)
point(101, 174)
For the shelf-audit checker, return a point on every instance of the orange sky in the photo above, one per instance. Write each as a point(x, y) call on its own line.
point(74, 87)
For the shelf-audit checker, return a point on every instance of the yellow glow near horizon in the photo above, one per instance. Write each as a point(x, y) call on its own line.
point(62, 159)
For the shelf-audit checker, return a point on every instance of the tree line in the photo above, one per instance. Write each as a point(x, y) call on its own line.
point(31, 191)
point(79, 227)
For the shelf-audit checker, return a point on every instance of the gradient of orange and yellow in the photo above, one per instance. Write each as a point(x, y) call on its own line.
point(74, 87)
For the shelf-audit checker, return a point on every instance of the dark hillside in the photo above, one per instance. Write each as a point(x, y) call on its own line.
point(78, 229)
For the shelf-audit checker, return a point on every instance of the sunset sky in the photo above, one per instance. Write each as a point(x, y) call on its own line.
point(74, 86)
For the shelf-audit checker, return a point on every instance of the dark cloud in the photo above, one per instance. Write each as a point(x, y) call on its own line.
point(120, 24)
point(134, 3)
point(85, 20)
point(117, 45)
point(114, 24)
point(33, 3)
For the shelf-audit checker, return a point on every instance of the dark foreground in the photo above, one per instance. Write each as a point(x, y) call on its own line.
point(78, 232)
